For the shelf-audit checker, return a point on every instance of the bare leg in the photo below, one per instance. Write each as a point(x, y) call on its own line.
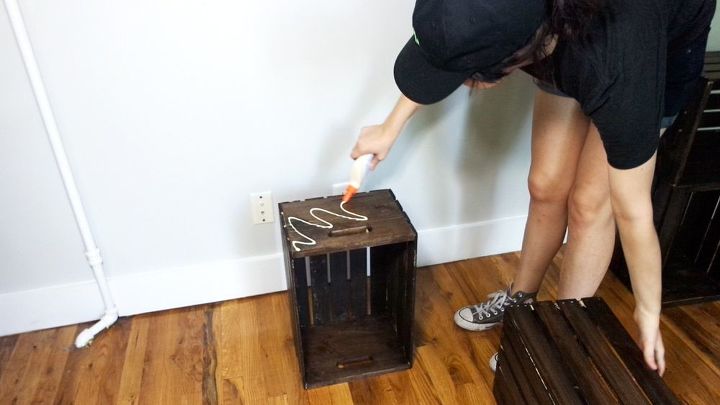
point(559, 130)
point(591, 228)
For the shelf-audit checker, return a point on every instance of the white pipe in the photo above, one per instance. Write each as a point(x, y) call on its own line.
point(91, 251)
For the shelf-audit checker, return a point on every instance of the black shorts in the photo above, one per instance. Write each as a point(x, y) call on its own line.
point(684, 68)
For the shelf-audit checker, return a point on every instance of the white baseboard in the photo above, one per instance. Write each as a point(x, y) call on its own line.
point(137, 293)
point(459, 242)
point(49, 307)
point(208, 282)
point(59, 305)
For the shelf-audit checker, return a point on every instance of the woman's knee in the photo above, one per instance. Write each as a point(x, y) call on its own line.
point(589, 207)
point(547, 188)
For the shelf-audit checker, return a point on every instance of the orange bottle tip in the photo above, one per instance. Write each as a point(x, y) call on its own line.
point(349, 193)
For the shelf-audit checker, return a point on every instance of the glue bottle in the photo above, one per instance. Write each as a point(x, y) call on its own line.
point(359, 168)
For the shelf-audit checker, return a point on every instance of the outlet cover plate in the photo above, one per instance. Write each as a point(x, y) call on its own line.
point(261, 205)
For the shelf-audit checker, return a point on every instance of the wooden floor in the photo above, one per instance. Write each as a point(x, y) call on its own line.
point(241, 352)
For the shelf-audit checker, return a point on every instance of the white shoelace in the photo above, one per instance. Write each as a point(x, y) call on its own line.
point(496, 302)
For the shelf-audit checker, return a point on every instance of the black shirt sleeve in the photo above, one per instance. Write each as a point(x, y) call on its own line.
point(629, 120)
point(629, 110)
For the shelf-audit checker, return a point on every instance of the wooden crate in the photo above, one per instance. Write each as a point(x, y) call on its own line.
point(686, 198)
point(572, 352)
point(351, 294)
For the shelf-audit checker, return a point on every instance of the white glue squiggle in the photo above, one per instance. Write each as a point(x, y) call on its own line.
point(325, 224)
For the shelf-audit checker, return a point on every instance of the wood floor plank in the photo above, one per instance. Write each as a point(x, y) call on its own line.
point(432, 365)
point(92, 374)
point(240, 362)
point(421, 384)
point(175, 353)
point(133, 365)
point(689, 377)
point(402, 387)
point(700, 326)
point(281, 374)
point(372, 391)
point(34, 371)
point(7, 345)
point(13, 384)
point(338, 394)
point(60, 346)
point(256, 353)
point(451, 340)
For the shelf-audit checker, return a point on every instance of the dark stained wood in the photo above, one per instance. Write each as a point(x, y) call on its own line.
point(653, 386)
point(545, 356)
point(525, 369)
point(594, 388)
point(503, 380)
point(358, 283)
point(298, 284)
point(340, 291)
point(522, 377)
point(405, 304)
point(612, 369)
point(709, 120)
point(361, 348)
point(382, 262)
point(573, 351)
point(321, 298)
point(359, 326)
point(387, 223)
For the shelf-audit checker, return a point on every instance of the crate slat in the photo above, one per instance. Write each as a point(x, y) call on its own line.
point(507, 355)
point(516, 347)
point(653, 385)
point(340, 291)
point(615, 373)
point(358, 283)
point(546, 357)
point(320, 289)
point(588, 378)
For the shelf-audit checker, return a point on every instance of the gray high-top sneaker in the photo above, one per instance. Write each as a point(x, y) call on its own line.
point(487, 314)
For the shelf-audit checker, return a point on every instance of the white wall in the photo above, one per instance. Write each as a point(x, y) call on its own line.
point(172, 112)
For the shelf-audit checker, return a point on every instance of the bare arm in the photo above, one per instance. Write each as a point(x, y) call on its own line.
point(632, 206)
point(378, 139)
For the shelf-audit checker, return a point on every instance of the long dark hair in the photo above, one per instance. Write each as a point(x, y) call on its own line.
point(568, 20)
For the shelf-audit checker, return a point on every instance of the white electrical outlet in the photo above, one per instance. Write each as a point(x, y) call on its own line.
point(339, 188)
point(262, 207)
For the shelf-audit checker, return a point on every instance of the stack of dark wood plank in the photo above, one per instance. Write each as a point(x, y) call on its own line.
point(572, 352)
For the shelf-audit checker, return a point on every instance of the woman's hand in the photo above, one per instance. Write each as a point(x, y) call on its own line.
point(632, 206)
point(651, 342)
point(376, 139)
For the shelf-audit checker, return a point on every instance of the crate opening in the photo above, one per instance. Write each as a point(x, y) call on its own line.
point(353, 311)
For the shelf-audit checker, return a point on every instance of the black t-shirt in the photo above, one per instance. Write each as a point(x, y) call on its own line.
point(617, 73)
